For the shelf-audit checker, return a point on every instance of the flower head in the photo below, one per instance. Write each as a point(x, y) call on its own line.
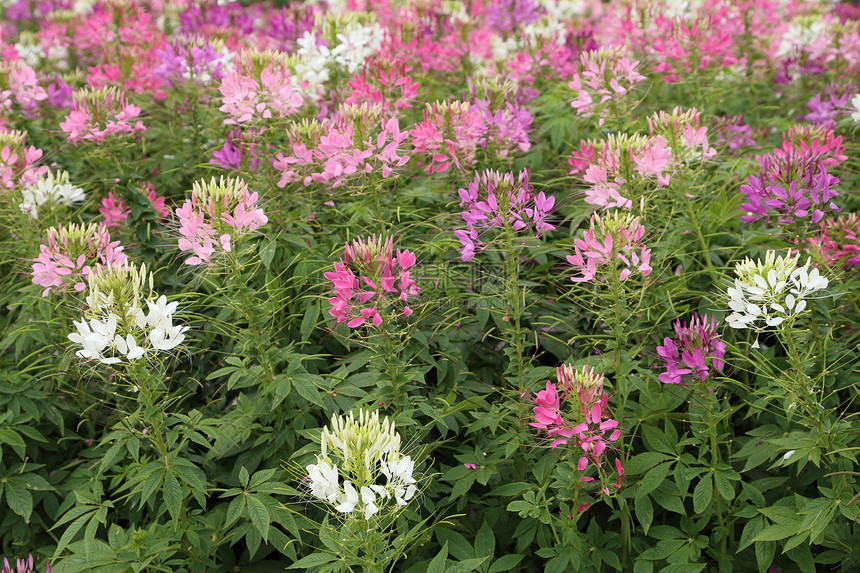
point(607, 76)
point(51, 189)
point(96, 115)
point(365, 452)
point(219, 212)
point(612, 245)
point(688, 355)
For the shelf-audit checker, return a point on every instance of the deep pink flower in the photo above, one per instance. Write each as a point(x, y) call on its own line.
point(694, 350)
point(114, 210)
point(371, 280)
point(97, 115)
point(612, 245)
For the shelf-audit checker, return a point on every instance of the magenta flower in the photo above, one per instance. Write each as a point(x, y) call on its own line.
point(814, 140)
point(260, 88)
point(384, 82)
point(838, 242)
point(371, 283)
point(448, 136)
point(218, 213)
point(791, 186)
point(612, 245)
point(494, 200)
point(97, 115)
point(574, 410)
point(693, 352)
point(72, 253)
point(114, 210)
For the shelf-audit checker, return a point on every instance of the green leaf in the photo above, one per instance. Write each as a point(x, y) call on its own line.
point(437, 565)
point(643, 462)
point(657, 440)
point(467, 564)
point(512, 489)
point(72, 530)
point(234, 510)
point(243, 477)
point(313, 560)
point(19, 499)
point(683, 568)
point(751, 529)
point(653, 479)
point(776, 532)
point(309, 322)
point(644, 512)
point(303, 383)
point(703, 494)
point(764, 552)
point(485, 541)
point(268, 252)
point(259, 516)
point(724, 485)
point(172, 495)
point(506, 563)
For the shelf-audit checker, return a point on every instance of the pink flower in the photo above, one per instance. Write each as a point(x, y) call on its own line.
point(219, 212)
point(259, 88)
point(371, 280)
point(18, 162)
point(612, 245)
point(606, 78)
point(97, 115)
point(114, 211)
point(72, 253)
point(448, 135)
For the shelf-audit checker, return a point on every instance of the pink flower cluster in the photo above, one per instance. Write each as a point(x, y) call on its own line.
point(219, 212)
point(607, 77)
point(99, 114)
point(494, 200)
point(613, 242)
point(694, 351)
point(114, 210)
point(839, 241)
point(370, 282)
point(384, 82)
point(574, 410)
point(685, 137)
point(357, 142)
point(18, 83)
point(22, 566)
point(792, 185)
point(259, 88)
point(18, 162)
point(72, 253)
point(814, 140)
point(448, 135)
point(626, 162)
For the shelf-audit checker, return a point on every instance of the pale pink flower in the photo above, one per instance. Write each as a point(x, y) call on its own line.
point(72, 253)
point(612, 245)
point(219, 212)
point(18, 166)
point(606, 78)
point(96, 115)
point(259, 88)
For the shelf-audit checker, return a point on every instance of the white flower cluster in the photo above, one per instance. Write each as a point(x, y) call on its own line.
point(53, 188)
point(855, 108)
point(367, 449)
point(312, 67)
point(117, 329)
point(355, 44)
point(767, 293)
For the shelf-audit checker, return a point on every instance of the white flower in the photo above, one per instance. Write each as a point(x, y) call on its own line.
point(368, 498)
point(855, 114)
point(168, 339)
point(788, 454)
point(324, 481)
point(161, 313)
point(348, 499)
point(50, 189)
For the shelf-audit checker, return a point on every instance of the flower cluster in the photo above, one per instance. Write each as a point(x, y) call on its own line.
point(791, 186)
point(18, 82)
point(357, 142)
point(694, 347)
point(22, 566)
point(496, 200)
point(99, 114)
point(734, 133)
point(832, 104)
point(196, 61)
point(114, 210)
point(362, 452)
point(18, 162)
point(627, 162)
point(52, 189)
point(72, 253)
point(612, 242)
point(369, 281)
point(607, 77)
point(685, 137)
point(448, 135)
point(260, 87)
point(384, 82)
point(219, 212)
point(115, 327)
point(766, 293)
point(575, 410)
point(839, 241)
point(814, 140)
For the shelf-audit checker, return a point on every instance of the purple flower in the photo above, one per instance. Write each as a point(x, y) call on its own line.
point(830, 105)
point(691, 350)
point(508, 15)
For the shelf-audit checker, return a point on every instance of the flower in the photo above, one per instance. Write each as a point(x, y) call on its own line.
point(448, 135)
point(607, 77)
point(259, 88)
point(699, 345)
point(219, 212)
point(52, 188)
point(22, 566)
point(366, 452)
point(507, 202)
point(71, 254)
point(114, 210)
point(115, 329)
point(613, 242)
point(370, 281)
point(18, 162)
point(767, 293)
point(96, 115)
